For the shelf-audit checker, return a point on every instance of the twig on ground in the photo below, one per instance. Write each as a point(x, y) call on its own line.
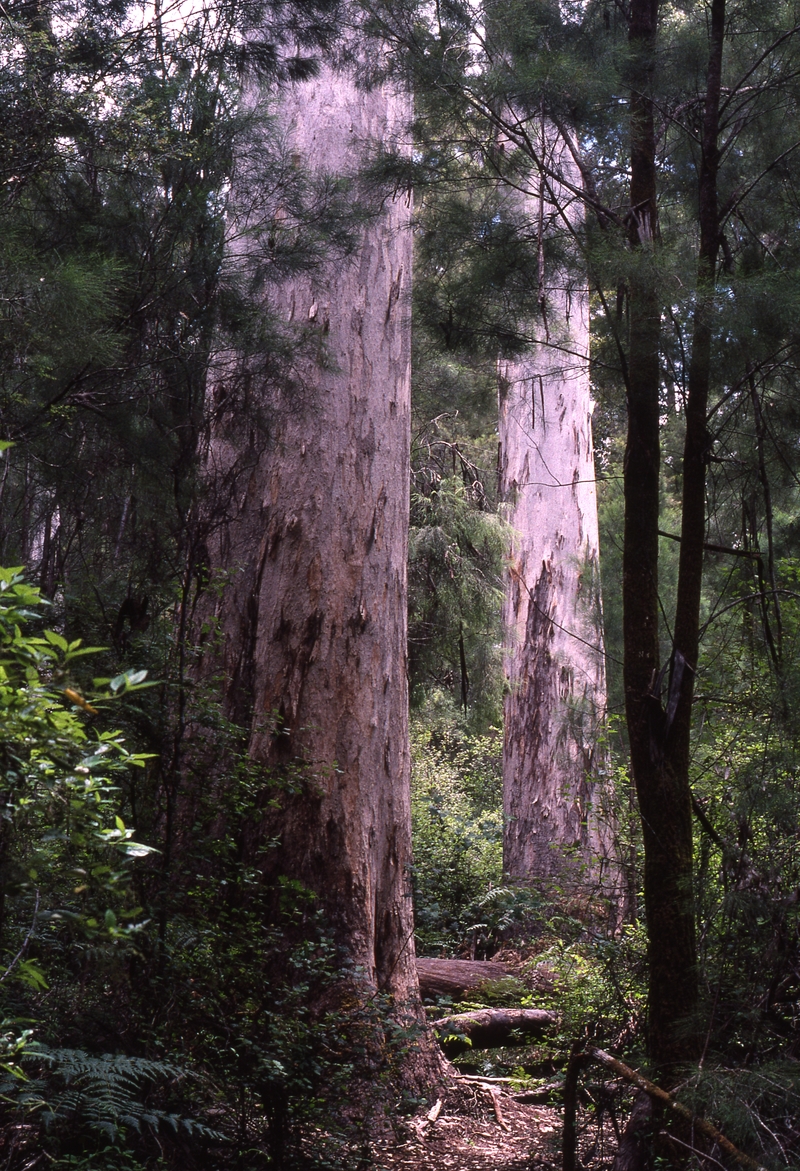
point(476, 1077)
point(494, 1094)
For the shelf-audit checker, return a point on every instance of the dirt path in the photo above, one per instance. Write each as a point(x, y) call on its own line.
point(467, 1136)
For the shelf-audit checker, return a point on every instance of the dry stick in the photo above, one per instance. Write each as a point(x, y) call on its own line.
point(435, 1111)
point(476, 1077)
point(653, 1091)
point(494, 1094)
point(25, 943)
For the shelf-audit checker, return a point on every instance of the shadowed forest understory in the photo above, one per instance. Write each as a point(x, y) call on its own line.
point(399, 624)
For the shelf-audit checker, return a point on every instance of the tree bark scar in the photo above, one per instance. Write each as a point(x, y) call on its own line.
point(299, 652)
point(241, 694)
point(394, 293)
point(377, 518)
point(358, 621)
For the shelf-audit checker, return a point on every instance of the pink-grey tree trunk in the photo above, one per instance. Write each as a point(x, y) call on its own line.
point(555, 703)
point(313, 618)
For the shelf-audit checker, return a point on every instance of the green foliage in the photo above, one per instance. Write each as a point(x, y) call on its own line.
point(455, 555)
point(60, 820)
point(109, 1158)
point(752, 1106)
point(106, 1094)
point(457, 540)
point(457, 828)
point(263, 1007)
point(240, 1060)
point(599, 985)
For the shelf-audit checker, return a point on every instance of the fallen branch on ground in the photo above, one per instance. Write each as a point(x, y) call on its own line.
point(701, 1126)
point(491, 1028)
point(476, 1077)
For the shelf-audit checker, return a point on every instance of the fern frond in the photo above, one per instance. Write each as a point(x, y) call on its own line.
point(105, 1092)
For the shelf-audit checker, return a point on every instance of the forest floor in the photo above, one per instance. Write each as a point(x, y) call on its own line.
point(484, 1124)
point(479, 1128)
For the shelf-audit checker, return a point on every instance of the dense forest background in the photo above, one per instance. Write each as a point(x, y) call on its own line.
point(163, 1004)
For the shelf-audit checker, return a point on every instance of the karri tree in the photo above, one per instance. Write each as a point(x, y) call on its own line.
point(555, 701)
point(313, 616)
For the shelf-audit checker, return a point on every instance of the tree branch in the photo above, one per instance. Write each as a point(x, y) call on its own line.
point(25, 943)
point(700, 1125)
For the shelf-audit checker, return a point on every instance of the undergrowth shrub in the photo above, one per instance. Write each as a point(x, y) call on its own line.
point(457, 828)
point(191, 1019)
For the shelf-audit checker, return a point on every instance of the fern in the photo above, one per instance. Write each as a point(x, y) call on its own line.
point(106, 1093)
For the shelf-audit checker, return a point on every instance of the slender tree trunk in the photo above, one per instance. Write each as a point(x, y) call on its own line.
point(663, 795)
point(686, 638)
point(313, 620)
point(660, 733)
point(555, 704)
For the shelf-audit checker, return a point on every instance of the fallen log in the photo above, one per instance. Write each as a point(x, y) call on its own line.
point(455, 977)
point(655, 1093)
point(491, 1028)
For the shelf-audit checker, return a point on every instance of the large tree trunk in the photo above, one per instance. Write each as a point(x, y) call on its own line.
point(313, 618)
point(555, 704)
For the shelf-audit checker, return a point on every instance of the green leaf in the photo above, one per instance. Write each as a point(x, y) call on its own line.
point(31, 974)
point(57, 640)
point(129, 680)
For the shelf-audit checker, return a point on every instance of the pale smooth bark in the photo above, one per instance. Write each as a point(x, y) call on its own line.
point(312, 620)
point(555, 702)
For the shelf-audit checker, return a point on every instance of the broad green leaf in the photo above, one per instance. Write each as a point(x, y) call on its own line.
point(57, 640)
